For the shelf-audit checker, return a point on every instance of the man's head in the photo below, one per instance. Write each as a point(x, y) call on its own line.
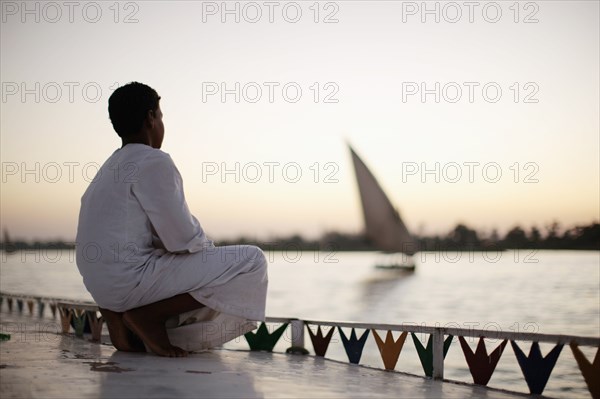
point(135, 114)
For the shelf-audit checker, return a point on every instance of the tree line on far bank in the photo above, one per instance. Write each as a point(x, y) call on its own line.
point(460, 238)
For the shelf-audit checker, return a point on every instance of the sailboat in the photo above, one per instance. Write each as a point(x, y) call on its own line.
point(384, 226)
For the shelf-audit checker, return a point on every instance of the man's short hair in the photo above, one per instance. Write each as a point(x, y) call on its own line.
point(128, 107)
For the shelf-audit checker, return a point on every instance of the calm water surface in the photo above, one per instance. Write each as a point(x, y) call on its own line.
point(552, 292)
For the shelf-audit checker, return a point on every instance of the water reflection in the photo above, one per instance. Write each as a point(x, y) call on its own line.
point(381, 285)
point(207, 374)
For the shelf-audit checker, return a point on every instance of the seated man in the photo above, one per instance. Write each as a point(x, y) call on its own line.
point(144, 257)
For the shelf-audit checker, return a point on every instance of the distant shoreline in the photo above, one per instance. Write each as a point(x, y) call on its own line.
point(461, 238)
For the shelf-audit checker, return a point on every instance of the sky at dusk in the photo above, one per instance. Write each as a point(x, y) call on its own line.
point(485, 113)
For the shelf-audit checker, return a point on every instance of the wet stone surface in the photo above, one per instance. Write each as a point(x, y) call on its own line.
point(39, 362)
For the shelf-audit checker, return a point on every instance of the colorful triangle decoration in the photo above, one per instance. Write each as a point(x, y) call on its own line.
point(536, 369)
point(41, 306)
point(481, 364)
point(65, 319)
point(390, 349)
point(78, 319)
point(95, 323)
point(354, 346)
point(30, 306)
point(262, 340)
point(426, 354)
point(590, 371)
point(320, 342)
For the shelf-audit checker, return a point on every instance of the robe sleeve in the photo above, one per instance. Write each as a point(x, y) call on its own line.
point(159, 189)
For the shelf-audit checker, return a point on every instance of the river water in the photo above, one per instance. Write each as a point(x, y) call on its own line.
point(551, 292)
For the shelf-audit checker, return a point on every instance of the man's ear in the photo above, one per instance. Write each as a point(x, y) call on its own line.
point(150, 116)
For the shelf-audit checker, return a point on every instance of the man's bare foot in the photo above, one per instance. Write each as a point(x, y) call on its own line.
point(148, 322)
point(121, 337)
point(152, 331)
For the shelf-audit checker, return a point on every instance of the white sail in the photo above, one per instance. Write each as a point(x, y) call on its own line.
point(384, 227)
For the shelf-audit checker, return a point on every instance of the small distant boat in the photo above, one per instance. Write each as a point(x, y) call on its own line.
point(384, 226)
point(391, 262)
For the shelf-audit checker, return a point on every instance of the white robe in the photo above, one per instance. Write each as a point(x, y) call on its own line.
point(137, 243)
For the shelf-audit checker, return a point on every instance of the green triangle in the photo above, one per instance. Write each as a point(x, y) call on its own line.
point(426, 354)
point(79, 322)
point(262, 340)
